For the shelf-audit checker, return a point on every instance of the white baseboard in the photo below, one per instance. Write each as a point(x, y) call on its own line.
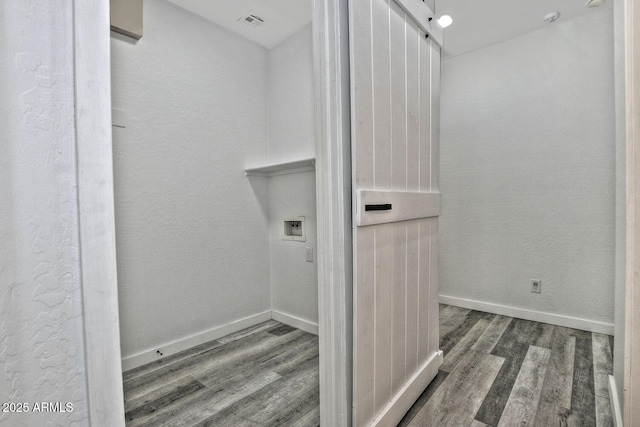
point(616, 410)
point(176, 346)
point(407, 396)
point(538, 316)
point(296, 322)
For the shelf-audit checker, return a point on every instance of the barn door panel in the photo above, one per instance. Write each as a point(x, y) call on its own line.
point(394, 94)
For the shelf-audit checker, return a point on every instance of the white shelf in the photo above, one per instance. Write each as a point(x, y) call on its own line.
point(285, 168)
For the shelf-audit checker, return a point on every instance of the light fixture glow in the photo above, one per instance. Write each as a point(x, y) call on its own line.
point(445, 21)
point(595, 3)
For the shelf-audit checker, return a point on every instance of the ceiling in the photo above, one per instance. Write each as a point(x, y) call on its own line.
point(476, 23)
point(281, 17)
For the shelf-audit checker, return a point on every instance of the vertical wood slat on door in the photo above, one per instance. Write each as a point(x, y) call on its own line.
point(364, 298)
point(382, 180)
point(394, 146)
point(434, 340)
point(398, 181)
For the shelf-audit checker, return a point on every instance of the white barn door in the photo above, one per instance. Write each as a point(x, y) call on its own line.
point(395, 78)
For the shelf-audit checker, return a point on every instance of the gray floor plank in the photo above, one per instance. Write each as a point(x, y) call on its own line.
point(522, 404)
point(197, 363)
point(451, 318)
point(271, 403)
point(307, 403)
point(207, 401)
point(227, 360)
point(452, 358)
point(604, 415)
point(555, 402)
point(544, 335)
point(492, 334)
point(218, 399)
point(310, 419)
point(602, 364)
point(448, 341)
point(602, 368)
point(275, 401)
point(424, 398)
point(280, 330)
point(236, 368)
point(513, 347)
point(459, 397)
point(583, 403)
point(157, 393)
point(166, 400)
point(288, 361)
point(214, 373)
point(567, 397)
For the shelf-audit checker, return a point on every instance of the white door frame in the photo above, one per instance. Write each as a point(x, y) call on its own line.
point(92, 81)
point(333, 198)
point(632, 285)
point(97, 224)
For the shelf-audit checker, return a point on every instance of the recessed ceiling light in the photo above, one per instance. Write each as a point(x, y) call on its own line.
point(595, 3)
point(445, 21)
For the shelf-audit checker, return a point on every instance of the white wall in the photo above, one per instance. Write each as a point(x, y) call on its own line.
point(192, 231)
point(294, 282)
point(41, 311)
point(528, 171)
point(290, 99)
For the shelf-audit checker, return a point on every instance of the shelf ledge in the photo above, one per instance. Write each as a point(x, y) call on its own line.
point(285, 168)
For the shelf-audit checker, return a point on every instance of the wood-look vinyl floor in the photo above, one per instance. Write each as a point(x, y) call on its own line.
point(497, 371)
point(266, 375)
point(501, 372)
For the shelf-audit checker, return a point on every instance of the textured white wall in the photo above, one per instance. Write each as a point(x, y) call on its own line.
point(41, 322)
point(528, 170)
point(294, 282)
point(192, 231)
point(290, 99)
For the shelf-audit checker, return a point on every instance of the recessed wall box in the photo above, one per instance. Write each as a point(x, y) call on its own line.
point(294, 229)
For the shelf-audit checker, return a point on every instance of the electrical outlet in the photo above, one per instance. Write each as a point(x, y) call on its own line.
point(309, 254)
point(536, 286)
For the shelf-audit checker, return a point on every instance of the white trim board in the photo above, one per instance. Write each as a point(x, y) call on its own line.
point(537, 316)
point(96, 255)
point(185, 343)
point(296, 322)
point(615, 403)
point(409, 394)
point(333, 197)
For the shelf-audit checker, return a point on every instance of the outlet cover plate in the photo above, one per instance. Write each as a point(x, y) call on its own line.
point(536, 286)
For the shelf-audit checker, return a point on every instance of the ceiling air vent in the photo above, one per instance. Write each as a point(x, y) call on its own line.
point(251, 19)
